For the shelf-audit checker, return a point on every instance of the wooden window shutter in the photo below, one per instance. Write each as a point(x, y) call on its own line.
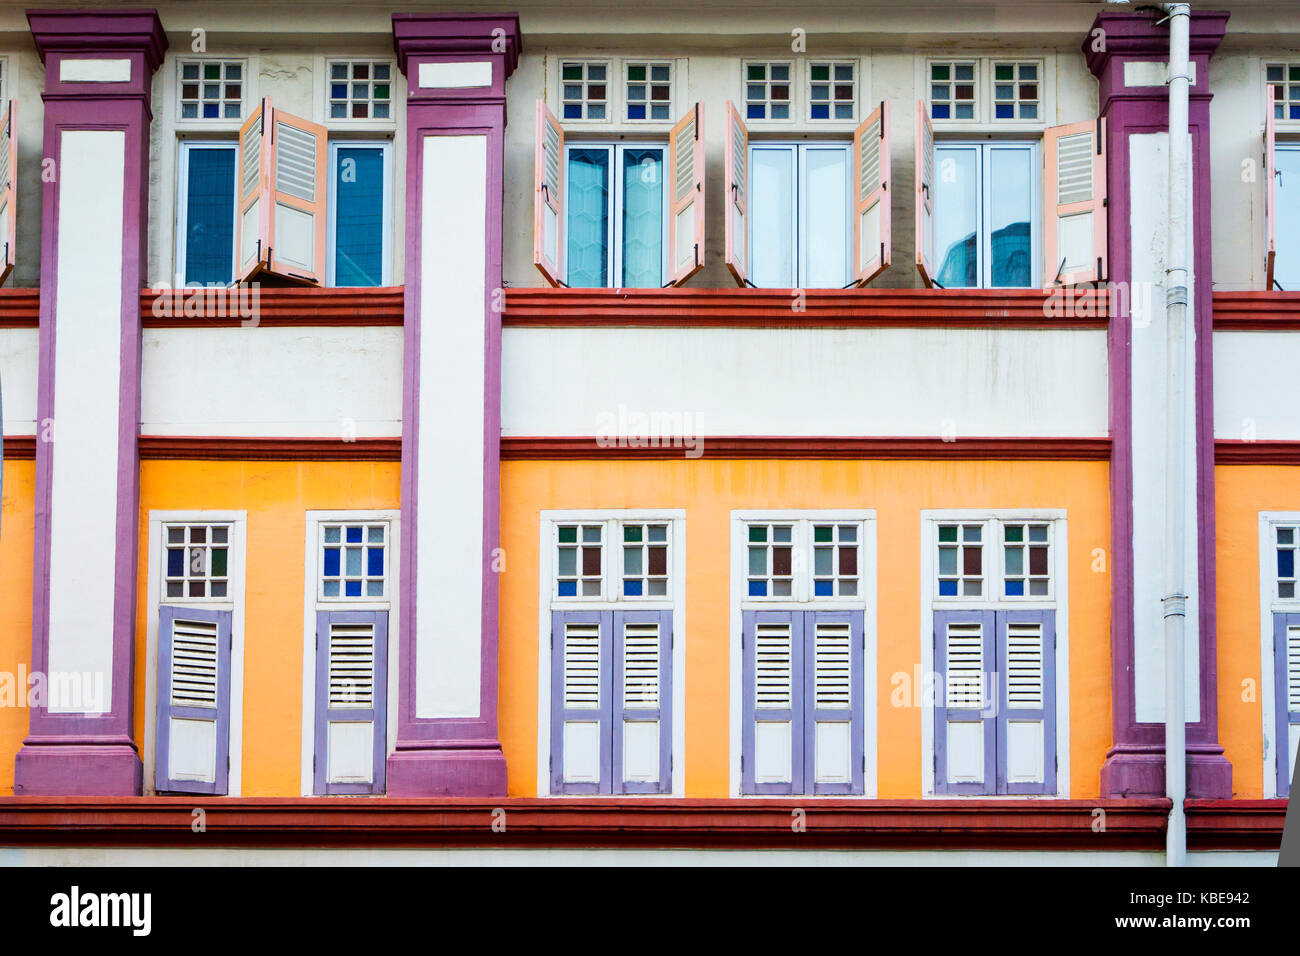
point(1026, 712)
point(1074, 204)
point(736, 178)
point(8, 193)
point(924, 195)
point(642, 704)
point(1270, 191)
point(833, 747)
point(548, 202)
point(580, 702)
point(964, 725)
point(772, 736)
point(871, 214)
point(1286, 697)
point(685, 176)
point(193, 681)
point(282, 196)
point(351, 742)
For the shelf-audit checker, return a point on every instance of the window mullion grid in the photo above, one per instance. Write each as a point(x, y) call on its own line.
point(611, 554)
point(802, 592)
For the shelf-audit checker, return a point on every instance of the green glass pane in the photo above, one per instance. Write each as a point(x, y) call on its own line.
point(573, 71)
point(636, 74)
point(632, 533)
point(212, 71)
point(568, 535)
point(219, 562)
point(1015, 532)
point(756, 71)
point(757, 532)
point(1294, 74)
point(939, 71)
point(1004, 71)
point(948, 532)
point(821, 73)
point(823, 533)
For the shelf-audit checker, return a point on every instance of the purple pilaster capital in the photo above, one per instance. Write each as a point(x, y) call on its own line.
point(1115, 39)
point(429, 45)
point(99, 53)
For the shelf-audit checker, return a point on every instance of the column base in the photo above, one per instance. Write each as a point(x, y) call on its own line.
point(78, 770)
point(447, 772)
point(1140, 772)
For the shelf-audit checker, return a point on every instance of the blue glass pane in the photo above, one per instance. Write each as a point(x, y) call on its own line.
point(632, 588)
point(754, 111)
point(331, 562)
point(354, 561)
point(948, 588)
point(352, 589)
point(956, 216)
point(375, 562)
point(588, 199)
point(1285, 564)
point(823, 588)
point(1015, 588)
point(354, 535)
point(1286, 267)
point(331, 589)
point(359, 217)
point(1011, 178)
point(821, 111)
point(210, 216)
point(175, 562)
point(643, 218)
point(758, 589)
point(211, 110)
point(939, 111)
point(1006, 111)
point(636, 112)
point(338, 91)
point(568, 589)
point(573, 111)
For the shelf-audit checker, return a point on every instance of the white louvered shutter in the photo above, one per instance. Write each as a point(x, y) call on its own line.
point(1074, 234)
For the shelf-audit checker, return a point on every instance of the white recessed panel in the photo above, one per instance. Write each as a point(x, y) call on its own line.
point(965, 751)
point(834, 754)
point(94, 71)
point(450, 76)
point(581, 752)
point(192, 749)
point(1025, 751)
point(641, 750)
point(351, 751)
point(772, 751)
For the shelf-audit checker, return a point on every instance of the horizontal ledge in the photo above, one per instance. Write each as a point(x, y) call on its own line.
point(1259, 311)
point(222, 448)
point(1232, 452)
point(812, 447)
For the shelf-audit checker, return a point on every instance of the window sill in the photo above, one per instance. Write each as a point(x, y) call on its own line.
point(278, 306)
point(1256, 311)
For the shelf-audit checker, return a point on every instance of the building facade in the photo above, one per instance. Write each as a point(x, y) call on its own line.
point(622, 433)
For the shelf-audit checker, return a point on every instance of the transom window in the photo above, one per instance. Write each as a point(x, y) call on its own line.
point(832, 90)
point(352, 560)
point(835, 560)
point(196, 562)
point(616, 227)
point(994, 559)
point(767, 91)
point(579, 567)
point(803, 559)
point(1287, 541)
point(771, 560)
point(636, 568)
point(211, 89)
point(1025, 559)
point(952, 90)
point(1285, 80)
point(649, 89)
point(961, 560)
point(360, 89)
point(645, 560)
point(1016, 90)
point(584, 93)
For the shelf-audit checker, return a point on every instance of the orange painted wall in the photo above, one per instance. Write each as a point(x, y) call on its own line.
point(898, 491)
point(1241, 493)
point(17, 530)
point(275, 495)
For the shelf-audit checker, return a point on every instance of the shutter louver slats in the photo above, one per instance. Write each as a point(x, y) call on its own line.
point(773, 675)
point(686, 224)
point(194, 664)
point(736, 184)
point(548, 197)
point(965, 671)
point(1293, 668)
point(352, 666)
point(295, 170)
point(641, 665)
point(832, 675)
point(1024, 665)
point(193, 700)
point(250, 143)
point(582, 666)
point(1074, 168)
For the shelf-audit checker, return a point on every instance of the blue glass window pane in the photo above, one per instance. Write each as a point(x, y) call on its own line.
point(636, 111)
point(643, 218)
point(210, 216)
point(1006, 111)
point(568, 589)
point(1015, 588)
point(331, 562)
point(632, 588)
point(1010, 211)
point(359, 217)
point(211, 110)
point(375, 562)
point(771, 213)
point(338, 91)
point(1029, 111)
point(1286, 268)
point(823, 588)
point(354, 561)
point(754, 111)
point(588, 233)
point(573, 111)
point(175, 562)
point(331, 589)
point(821, 111)
point(948, 588)
point(956, 216)
point(354, 535)
point(939, 111)
point(1285, 564)
point(758, 589)
point(352, 589)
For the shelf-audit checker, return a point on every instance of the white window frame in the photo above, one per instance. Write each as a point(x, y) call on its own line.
point(800, 120)
point(320, 94)
point(248, 90)
point(184, 148)
point(1058, 555)
point(994, 567)
point(614, 233)
point(185, 599)
point(233, 602)
point(331, 214)
point(616, 93)
point(648, 63)
point(984, 120)
point(808, 82)
point(313, 602)
point(675, 601)
point(1270, 604)
point(802, 600)
point(1284, 61)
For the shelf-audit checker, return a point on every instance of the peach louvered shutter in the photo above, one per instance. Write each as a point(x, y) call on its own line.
point(1074, 235)
point(924, 195)
point(1270, 190)
point(548, 203)
point(871, 224)
point(736, 178)
point(8, 193)
point(686, 167)
point(282, 190)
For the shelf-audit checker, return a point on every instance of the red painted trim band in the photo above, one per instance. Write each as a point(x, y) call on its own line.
point(803, 447)
point(1228, 452)
point(1258, 311)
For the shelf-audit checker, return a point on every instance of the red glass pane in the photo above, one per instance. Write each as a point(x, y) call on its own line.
point(781, 560)
point(848, 561)
point(591, 561)
point(658, 560)
point(1037, 560)
point(972, 560)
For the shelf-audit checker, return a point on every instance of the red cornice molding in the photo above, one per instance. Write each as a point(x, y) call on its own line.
point(20, 448)
point(1227, 452)
point(812, 447)
point(287, 306)
point(1235, 824)
point(818, 308)
point(222, 448)
point(20, 308)
point(1257, 311)
point(1029, 824)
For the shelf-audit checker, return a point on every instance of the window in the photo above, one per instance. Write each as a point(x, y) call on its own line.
point(1279, 542)
point(360, 89)
point(803, 650)
point(360, 210)
point(1286, 217)
point(649, 89)
point(1016, 90)
point(986, 214)
point(211, 89)
point(352, 561)
point(616, 223)
point(584, 89)
point(832, 90)
point(1284, 79)
point(800, 214)
point(1002, 92)
point(767, 91)
point(993, 585)
point(613, 583)
point(196, 564)
point(205, 214)
point(952, 90)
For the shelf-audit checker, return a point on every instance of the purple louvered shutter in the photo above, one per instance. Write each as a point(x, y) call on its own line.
point(351, 741)
point(642, 701)
point(580, 702)
point(1026, 721)
point(1286, 696)
point(772, 737)
point(965, 722)
point(193, 734)
point(832, 697)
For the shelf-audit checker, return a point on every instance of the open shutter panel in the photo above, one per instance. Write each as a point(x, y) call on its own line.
point(686, 169)
point(351, 701)
point(964, 728)
point(8, 193)
point(254, 199)
point(580, 702)
point(548, 203)
point(298, 191)
point(193, 733)
point(642, 706)
point(924, 195)
point(736, 179)
point(833, 701)
point(1286, 698)
point(772, 735)
point(1074, 234)
point(1027, 712)
point(1270, 190)
point(871, 224)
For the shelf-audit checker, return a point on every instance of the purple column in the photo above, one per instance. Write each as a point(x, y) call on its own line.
point(1135, 764)
point(98, 72)
point(456, 67)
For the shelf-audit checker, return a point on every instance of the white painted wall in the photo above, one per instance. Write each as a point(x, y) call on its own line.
point(1256, 391)
point(18, 375)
